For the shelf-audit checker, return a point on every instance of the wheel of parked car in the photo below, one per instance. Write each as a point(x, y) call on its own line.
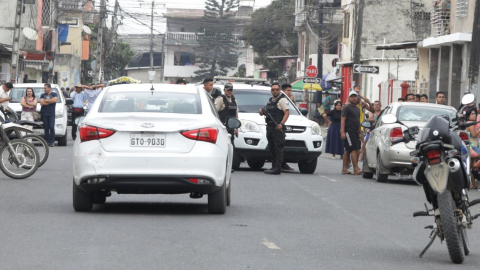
point(365, 168)
point(82, 201)
point(229, 192)
point(307, 166)
point(380, 177)
point(217, 201)
point(62, 141)
point(256, 164)
point(99, 198)
point(237, 160)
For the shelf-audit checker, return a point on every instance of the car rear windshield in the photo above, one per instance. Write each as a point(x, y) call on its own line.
point(423, 113)
point(17, 93)
point(250, 101)
point(156, 102)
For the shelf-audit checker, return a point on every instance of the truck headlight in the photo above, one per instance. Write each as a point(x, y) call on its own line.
point(249, 126)
point(59, 113)
point(316, 130)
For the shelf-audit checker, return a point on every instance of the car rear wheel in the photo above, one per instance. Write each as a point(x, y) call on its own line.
point(82, 201)
point(256, 164)
point(382, 178)
point(237, 159)
point(62, 141)
point(99, 198)
point(229, 193)
point(307, 166)
point(217, 201)
point(365, 168)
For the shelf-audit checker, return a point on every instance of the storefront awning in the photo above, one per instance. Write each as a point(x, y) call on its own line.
point(397, 46)
point(437, 42)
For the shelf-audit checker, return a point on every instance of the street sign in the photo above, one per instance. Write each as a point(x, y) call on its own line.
point(90, 73)
point(312, 71)
point(311, 80)
point(366, 69)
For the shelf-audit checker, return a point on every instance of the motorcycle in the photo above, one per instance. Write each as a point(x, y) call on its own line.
point(444, 172)
point(14, 126)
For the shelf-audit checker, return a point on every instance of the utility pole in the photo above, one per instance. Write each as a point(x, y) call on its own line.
point(152, 72)
point(98, 72)
point(16, 42)
point(475, 51)
point(54, 11)
point(320, 49)
point(358, 37)
point(114, 26)
point(162, 74)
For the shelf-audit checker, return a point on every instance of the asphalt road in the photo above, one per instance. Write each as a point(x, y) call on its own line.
point(292, 221)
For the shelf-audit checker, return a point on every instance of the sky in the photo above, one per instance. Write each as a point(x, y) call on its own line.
point(141, 10)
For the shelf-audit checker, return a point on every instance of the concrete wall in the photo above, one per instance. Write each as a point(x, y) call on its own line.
point(7, 22)
point(406, 72)
point(141, 43)
point(462, 24)
point(68, 67)
point(142, 75)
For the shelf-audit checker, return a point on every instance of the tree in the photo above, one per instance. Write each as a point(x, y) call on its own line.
point(117, 60)
point(217, 53)
point(272, 33)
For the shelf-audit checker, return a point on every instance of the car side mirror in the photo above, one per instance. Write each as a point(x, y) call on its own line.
point(69, 101)
point(367, 124)
point(389, 119)
point(233, 123)
point(79, 120)
point(304, 111)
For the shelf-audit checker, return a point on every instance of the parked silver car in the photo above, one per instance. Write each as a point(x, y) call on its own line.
point(384, 159)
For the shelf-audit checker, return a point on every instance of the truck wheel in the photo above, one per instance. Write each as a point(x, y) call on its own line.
point(217, 201)
point(82, 201)
point(62, 141)
point(307, 166)
point(237, 160)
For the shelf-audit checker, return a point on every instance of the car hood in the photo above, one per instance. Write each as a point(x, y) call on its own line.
point(293, 120)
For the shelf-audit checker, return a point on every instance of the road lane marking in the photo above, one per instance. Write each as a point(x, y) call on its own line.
point(333, 180)
point(269, 245)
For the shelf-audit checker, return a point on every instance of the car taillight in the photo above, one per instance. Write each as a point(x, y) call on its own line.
point(302, 105)
point(433, 156)
point(203, 134)
point(88, 133)
point(464, 136)
point(396, 133)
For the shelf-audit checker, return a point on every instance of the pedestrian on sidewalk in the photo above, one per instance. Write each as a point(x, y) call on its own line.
point(350, 133)
point(79, 101)
point(48, 100)
point(334, 142)
point(92, 92)
point(4, 94)
point(440, 98)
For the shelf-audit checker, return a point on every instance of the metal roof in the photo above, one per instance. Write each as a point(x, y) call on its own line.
point(397, 46)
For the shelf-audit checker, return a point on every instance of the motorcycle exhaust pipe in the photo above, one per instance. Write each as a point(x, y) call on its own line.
point(454, 165)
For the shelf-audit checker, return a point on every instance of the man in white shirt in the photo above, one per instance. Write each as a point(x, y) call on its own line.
point(5, 94)
point(92, 93)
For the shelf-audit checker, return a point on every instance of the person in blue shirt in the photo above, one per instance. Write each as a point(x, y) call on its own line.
point(92, 93)
point(48, 100)
point(79, 100)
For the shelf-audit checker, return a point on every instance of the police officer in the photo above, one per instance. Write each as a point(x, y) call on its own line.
point(277, 107)
point(227, 107)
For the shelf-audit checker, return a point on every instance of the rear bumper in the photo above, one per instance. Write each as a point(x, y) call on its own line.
point(291, 154)
point(397, 156)
point(146, 184)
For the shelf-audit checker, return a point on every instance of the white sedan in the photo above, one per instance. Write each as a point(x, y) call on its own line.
point(152, 139)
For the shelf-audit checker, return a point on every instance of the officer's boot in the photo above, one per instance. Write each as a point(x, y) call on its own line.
point(273, 171)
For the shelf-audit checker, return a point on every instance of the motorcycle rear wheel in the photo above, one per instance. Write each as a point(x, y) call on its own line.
point(451, 230)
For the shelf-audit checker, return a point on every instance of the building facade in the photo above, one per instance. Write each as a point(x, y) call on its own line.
point(391, 25)
point(447, 49)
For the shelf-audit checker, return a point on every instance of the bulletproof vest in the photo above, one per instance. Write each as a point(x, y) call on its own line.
point(230, 109)
point(274, 111)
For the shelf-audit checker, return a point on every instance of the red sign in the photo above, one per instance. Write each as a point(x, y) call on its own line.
point(312, 71)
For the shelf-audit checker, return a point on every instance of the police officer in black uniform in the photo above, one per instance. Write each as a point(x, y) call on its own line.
point(277, 108)
point(227, 107)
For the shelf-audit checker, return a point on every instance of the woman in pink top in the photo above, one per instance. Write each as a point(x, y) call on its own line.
point(29, 105)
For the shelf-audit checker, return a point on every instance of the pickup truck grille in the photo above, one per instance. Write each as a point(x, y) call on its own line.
point(295, 129)
point(291, 143)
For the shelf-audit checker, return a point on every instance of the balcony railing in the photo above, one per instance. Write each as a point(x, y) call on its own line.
point(195, 37)
point(440, 18)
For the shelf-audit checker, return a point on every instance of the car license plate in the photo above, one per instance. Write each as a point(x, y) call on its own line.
point(147, 140)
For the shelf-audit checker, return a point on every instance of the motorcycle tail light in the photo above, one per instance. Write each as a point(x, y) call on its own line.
point(433, 156)
point(464, 136)
point(396, 133)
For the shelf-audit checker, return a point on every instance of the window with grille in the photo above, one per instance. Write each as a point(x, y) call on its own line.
point(421, 16)
point(440, 17)
point(462, 8)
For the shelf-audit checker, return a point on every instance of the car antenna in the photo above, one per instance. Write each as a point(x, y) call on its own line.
point(152, 89)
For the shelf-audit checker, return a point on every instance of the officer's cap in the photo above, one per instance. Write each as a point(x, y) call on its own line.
point(228, 86)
